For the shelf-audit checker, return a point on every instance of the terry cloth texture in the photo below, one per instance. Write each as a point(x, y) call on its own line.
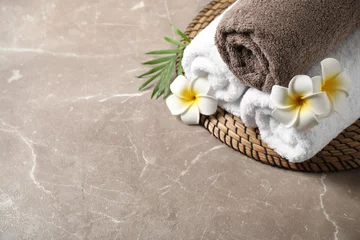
point(297, 146)
point(268, 42)
point(202, 59)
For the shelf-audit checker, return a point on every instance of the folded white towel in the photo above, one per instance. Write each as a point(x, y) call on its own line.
point(298, 146)
point(202, 59)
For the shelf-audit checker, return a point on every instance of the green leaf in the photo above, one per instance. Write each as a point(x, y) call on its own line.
point(156, 88)
point(180, 33)
point(154, 70)
point(159, 60)
point(162, 85)
point(170, 40)
point(165, 85)
point(170, 51)
point(161, 81)
point(168, 79)
point(165, 65)
point(160, 93)
point(179, 67)
point(150, 80)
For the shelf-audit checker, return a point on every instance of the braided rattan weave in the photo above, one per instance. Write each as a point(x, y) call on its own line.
point(342, 153)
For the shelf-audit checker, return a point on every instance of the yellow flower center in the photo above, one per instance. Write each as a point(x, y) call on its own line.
point(190, 95)
point(330, 84)
point(326, 87)
point(300, 102)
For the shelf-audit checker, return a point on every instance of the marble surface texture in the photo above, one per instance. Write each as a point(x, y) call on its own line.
point(84, 155)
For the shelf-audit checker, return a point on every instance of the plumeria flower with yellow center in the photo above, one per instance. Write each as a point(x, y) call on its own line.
point(190, 98)
point(299, 105)
point(335, 82)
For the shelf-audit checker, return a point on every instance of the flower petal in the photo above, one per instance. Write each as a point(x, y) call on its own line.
point(317, 84)
point(330, 68)
point(177, 105)
point(286, 116)
point(207, 104)
point(280, 98)
point(191, 116)
point(320, 104)
point(344, 81)
point(200, 86)
point(180, 87)
point(338, 98)
point(300, 86)
point(307, 119)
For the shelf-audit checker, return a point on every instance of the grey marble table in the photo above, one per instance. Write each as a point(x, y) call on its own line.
point(84, 155)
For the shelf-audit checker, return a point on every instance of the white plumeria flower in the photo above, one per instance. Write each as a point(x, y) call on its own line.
point(335, 82)
point(299, 105)
point(190, 98)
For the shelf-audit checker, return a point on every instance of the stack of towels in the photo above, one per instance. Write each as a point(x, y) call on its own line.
point(257, 44)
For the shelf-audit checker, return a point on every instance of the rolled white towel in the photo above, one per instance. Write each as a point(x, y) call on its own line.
point(298, 146)
point(202, 59)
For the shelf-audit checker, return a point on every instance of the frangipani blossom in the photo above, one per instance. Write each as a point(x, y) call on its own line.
point(299, 105)
point(335, 82)
point(190, 98)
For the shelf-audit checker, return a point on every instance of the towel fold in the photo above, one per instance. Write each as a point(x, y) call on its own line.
point(266, 43)
point(202, 59)
point(297, 146)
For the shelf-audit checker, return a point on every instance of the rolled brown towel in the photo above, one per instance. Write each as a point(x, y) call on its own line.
point(267, 42)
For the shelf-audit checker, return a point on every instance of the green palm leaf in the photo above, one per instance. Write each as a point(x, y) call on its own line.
point(159, 60)
point(165, 82)
point(164, 67)
point(156, 89)
point(180, 33)
point(179, 67)
point(147, 82)
point(168, 79)
point(154, 70)
point(175, 42)
point(169, 51)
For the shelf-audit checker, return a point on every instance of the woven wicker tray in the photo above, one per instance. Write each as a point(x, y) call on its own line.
point(342, 153)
